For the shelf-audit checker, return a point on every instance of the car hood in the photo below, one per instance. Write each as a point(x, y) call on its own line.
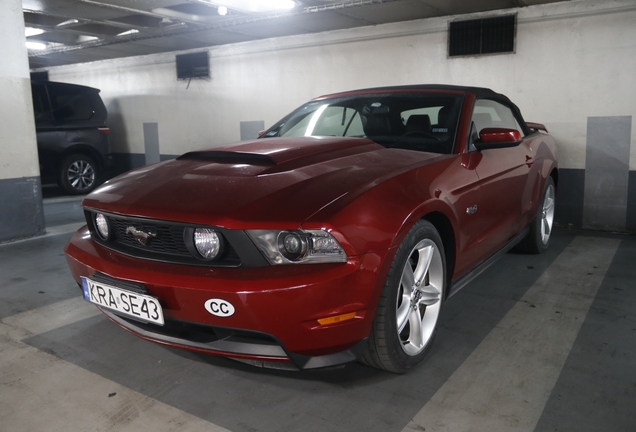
point(274, 182)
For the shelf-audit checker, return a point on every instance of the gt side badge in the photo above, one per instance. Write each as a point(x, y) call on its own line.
point(219, 307)
point(471, 210)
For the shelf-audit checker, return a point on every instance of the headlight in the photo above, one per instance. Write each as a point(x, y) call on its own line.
point(302, 246)
point(207, 243)
point(291, 245)
point(101, 225)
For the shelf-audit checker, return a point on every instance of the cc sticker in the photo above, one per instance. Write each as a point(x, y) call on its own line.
point(219, 307)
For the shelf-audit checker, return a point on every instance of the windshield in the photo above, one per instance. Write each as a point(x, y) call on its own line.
point(414, 121)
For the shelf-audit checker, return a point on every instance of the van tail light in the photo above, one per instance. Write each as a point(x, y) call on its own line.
point(104, 130)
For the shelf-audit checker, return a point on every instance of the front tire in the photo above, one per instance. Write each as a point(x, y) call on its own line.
point(409, 308)
point(78, 174)
point(538, 238)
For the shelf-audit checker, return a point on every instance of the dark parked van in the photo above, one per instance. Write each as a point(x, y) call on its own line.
point(70, 122)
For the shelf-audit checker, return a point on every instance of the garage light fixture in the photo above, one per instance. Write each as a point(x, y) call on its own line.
point(31, 31)
point(35, 46)
point(255, 6)
point(84, 38)
point(67, 22)
point(128, 32)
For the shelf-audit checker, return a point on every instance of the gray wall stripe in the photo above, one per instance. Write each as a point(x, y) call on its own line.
point(22, 215)
point(151, 142)
point(631, 202)
point(250, 129)
point(607, 172)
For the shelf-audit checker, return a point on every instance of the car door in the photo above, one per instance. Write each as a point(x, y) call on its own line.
point(504, 177)
point(46, 132)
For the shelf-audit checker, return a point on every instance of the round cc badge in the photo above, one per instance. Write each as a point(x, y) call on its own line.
point(219, 307)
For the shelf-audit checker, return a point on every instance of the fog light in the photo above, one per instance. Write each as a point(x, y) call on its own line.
point(207, 243)
point(101, 223)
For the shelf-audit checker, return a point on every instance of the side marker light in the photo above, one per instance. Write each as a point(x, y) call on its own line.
point(337, 318)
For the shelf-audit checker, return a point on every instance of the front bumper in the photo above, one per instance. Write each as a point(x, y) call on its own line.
point(276, 307)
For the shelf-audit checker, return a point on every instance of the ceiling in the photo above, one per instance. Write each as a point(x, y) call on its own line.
point(78, 31)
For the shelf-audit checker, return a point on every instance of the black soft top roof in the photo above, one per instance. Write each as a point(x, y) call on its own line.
point(479, 92)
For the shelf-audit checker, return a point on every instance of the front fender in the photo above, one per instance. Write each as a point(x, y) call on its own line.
point(379, 220)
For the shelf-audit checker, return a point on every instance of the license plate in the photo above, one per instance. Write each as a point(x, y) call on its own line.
point(139, 306)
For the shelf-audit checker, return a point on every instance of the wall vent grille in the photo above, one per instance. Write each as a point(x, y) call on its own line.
point(482, 36)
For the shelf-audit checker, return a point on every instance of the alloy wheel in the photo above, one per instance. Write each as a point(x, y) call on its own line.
point(419, 298)
point(547, 214)
point(81, 175)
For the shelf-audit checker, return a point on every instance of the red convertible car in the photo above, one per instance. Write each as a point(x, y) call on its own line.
point(336, 236)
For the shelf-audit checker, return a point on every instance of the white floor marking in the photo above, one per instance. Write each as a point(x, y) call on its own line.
point(50, 232)
point(41, 392)
point(505, 383)
point(64, 229)
point(56, 315)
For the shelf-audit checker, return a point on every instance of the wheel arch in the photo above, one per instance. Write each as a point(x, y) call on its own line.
point(85, 150)
point(555, 177)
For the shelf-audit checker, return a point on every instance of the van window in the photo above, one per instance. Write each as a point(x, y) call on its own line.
point(70, 103)
point(41, 107)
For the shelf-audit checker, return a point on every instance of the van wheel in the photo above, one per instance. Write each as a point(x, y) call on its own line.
point(78, 174)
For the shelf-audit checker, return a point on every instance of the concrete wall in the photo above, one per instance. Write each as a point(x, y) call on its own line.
point(575, 61)
point(21, 212)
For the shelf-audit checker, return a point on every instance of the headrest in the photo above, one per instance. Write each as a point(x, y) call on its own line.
point(418, 122)
point(376, 125)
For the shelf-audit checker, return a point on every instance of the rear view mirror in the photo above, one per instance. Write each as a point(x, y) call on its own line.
point(493, 138)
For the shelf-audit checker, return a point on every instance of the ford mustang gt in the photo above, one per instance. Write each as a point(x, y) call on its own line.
point(335, 236)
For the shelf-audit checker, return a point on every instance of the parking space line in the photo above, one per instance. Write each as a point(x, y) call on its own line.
point(41, 392)
point(53, 316)
point(50, 232)
point(505, 383)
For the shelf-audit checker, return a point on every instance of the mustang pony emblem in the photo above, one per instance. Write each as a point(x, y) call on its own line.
point(139, 235)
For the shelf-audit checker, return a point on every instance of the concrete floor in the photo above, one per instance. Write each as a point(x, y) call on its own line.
point(536, 343)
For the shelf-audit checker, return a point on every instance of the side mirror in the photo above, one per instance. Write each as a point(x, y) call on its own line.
point(494, 138)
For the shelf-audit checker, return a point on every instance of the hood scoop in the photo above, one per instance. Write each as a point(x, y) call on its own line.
point(277, 151)
point(229, 158)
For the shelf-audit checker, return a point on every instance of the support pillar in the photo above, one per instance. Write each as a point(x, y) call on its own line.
point(21, 213)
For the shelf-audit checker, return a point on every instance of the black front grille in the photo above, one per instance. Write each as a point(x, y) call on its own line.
point(169, 239)
point(166, 241)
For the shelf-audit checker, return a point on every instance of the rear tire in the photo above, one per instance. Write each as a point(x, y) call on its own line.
point(538, 238)
point(78, 174)
point(410, 304)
